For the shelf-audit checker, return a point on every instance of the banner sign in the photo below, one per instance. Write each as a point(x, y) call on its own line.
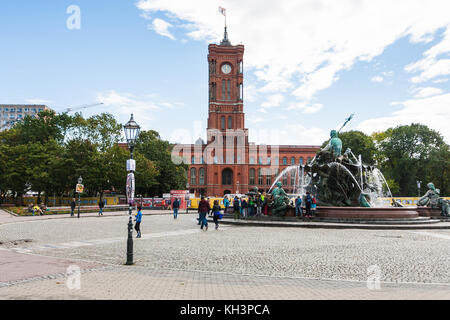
point(131, 165)
point(130, 187)
point(79, 188)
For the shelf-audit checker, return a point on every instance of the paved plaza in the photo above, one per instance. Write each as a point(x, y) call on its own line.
point(174, 259)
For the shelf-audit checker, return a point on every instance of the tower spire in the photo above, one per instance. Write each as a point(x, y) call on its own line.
point(225, 41)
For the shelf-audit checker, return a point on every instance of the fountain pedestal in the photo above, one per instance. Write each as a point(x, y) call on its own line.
point(366, 213)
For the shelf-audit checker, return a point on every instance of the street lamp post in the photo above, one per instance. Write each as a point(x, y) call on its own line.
point(131, 129)
point(418, 187)
point(80, 181)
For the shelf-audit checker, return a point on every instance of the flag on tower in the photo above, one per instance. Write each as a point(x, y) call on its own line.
point(223, 11)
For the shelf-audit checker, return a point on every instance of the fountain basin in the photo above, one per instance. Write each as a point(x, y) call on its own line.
point(429, 212)
point(367, 213)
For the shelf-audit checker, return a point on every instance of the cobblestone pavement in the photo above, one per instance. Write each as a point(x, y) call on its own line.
point(175, 260)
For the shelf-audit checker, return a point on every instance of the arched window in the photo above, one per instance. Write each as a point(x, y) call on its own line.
point(268, 177)
point(230, 122)
point(292, 179)
point(223, 90)
point(285, 179)
point(251, 176)
point(201, 176)
point(300, 160)
point(193, 160)
point(292, 160)
point(284, 160)
point(227, 177)
point(260, 177)
point(259, 160)
point(252, 160)
point(222, 123)
point(193, 176)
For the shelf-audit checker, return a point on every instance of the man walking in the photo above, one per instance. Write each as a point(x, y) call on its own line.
point(73, 204)
point(203, 209)
point(101, 204)
point(175, 206)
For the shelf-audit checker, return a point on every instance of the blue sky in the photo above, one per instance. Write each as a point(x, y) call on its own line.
point(308, 64)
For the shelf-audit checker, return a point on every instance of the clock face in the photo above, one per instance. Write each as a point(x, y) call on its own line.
point(226, 68)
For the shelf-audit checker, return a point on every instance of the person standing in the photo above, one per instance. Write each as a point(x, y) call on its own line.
point(226, 203)
point(101, 204)
point(138, 220)
point(203, 209)
point(73, 204)
point(244, 208)
point(308, 204)
point(264, 201)
point(298, 207)
point(313, 206)
point(236, 207)
point(216, 213)
point(259, 204)
point(175, 206)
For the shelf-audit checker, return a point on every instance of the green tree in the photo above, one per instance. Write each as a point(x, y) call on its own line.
point(171, 176)
point(409, 154)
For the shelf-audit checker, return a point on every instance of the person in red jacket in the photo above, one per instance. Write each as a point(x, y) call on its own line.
point(203, 209)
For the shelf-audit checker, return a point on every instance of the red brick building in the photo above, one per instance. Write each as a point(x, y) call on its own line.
point(227, 162)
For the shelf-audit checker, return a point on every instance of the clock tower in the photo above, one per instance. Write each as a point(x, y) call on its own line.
point(226, 86)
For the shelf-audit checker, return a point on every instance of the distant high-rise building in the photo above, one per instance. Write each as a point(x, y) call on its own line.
point(12, 113)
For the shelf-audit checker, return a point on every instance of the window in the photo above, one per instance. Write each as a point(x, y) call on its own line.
point(300, 160)
point(223, 90)
point(40, 110)
point(192, 160)
point(229, 89)
point(230, 122)
point(284, 160)
point(227, 177)
point(252, 160)
point(260, 160)
point(193, 176)
point(201, 176)
point(276, 161)
point(34, 110)
point(268, 177)
point(251, 174)
point(222, 123)
point(268, 160)
point(19, 109)
point(260, 177)
point(6, 110)
point(241, 67)
point(292, 179)
point(13, 110)
point(292, 160)
point(26, 109)
point(202, 160)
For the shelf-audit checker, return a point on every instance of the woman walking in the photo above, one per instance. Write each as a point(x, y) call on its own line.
point(138, 220)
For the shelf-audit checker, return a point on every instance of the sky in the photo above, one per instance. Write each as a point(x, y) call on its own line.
point(308, 64)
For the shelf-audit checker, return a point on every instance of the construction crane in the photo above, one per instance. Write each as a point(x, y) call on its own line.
point(12, 122)
point(82, 107)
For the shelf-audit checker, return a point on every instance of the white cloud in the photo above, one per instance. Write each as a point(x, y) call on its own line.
point(431, 66)
point(305, 107)
point(377, 79)
point(426, 92)
point(440, 80)
point(432, 111)
point(299, 47)
point(123, 104)
point(161, 27)
point(273, 101)
point(289, 134)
